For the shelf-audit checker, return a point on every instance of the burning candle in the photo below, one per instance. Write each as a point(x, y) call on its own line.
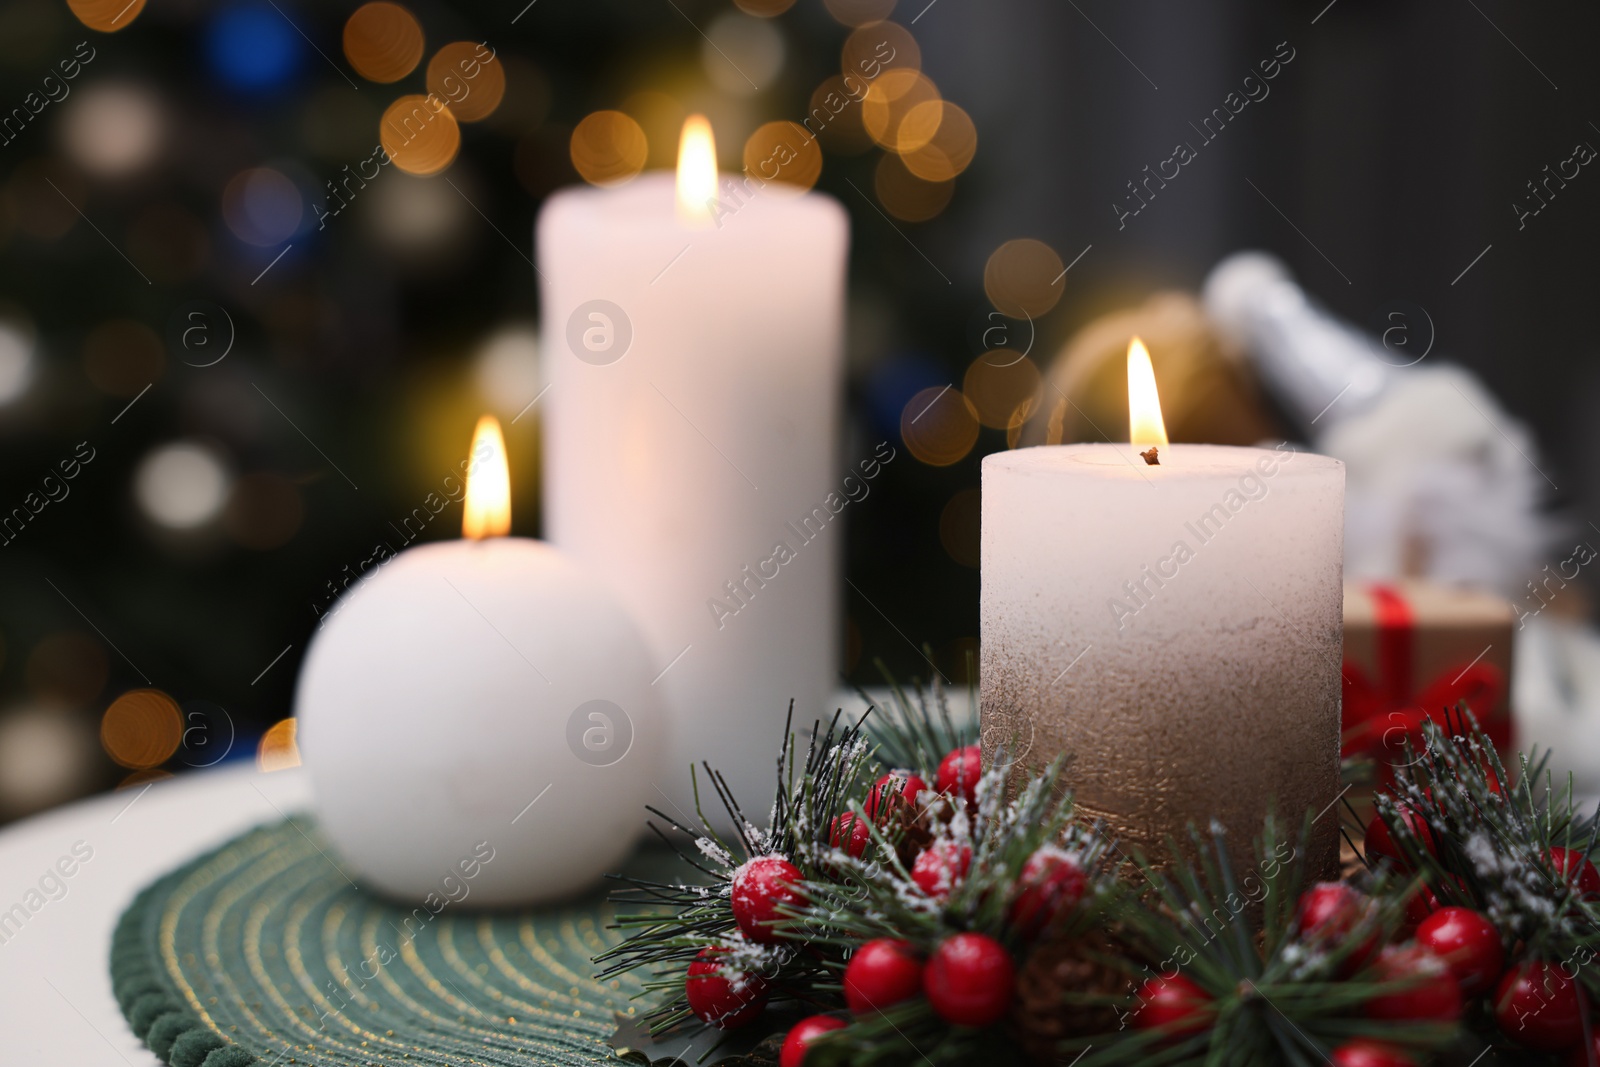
point(693, 338)
point(1171, 617)
point(477, 717)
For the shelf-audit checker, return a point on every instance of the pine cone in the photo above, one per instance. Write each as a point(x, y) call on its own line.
point(1043, 1014)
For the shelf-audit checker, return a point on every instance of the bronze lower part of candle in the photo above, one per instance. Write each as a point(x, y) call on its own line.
point(1148, 765)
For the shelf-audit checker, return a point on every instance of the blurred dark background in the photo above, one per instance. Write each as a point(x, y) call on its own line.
point(248, 394)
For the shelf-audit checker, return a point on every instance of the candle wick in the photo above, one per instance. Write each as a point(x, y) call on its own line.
point(1152, 456)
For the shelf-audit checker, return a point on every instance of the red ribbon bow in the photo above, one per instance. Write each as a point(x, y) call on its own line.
point(1377, 716)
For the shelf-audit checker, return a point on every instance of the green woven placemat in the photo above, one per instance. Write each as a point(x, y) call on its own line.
point(264, 952)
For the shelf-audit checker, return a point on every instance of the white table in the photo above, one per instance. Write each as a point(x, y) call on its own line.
point(55, 987)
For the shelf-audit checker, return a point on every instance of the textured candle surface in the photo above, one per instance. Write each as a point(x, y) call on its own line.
point(690, 430)
point(1176, 629)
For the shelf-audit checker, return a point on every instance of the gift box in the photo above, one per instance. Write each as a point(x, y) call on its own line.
point(1415, 650)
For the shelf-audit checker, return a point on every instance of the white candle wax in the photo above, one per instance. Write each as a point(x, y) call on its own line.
point(448, 715)
point(690, 426)
point(1176, 629)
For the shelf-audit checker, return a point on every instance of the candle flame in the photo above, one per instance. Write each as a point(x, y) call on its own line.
point(1145, 425)
point(697, 171)
point(487, 511)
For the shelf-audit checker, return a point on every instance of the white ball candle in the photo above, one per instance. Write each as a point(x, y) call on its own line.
point(1175, 628)
point(477, 717)
point(694, 359)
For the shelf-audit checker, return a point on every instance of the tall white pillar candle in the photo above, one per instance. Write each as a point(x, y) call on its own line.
point(1176, 629)
point(694, 376)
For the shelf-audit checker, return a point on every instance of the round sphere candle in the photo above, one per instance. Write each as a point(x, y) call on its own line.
point(693, 337)
point(1171, 619)
point(477, 717)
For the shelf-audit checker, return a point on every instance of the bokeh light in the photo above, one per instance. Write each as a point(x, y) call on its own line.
point(764, 8)
point(168, 243)
point(948, 149)
point(107, 16)
point(112, 129)
point(123, 356)
point(506, 370)
point(958, 527)
point(998, 383)
point(741, 54)
point(383, 41)
point(470, 79)
point(16, 357)
point(420, 135)
point(142, 728)
point(906, 196)
point(415, 216)
point(878, 47)
point(253, 48)
point(47, 755)
point(262, 207)
point(889, 99)
point(608, 148)
point(181, 486)
point(263, 512)
point(939, 426)
point(278, 750)
point(784, 153)
point(835, 115)
point(1024, 278)
point(67, 668)
point(859, 12)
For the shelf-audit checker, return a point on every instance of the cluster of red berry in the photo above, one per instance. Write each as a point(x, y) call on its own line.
point(967, 978)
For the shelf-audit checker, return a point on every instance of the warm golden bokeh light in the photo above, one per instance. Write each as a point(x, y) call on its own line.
point(765, 9)
point(939, 426)
point(880, 46)
point(859, 12)
point(278, 750)
point(107, 16)
point(123, 356)
point(782, 152)
point(697, 172)
point(889, 99)
point(142, 728)
point(1023, 278)
point(906, 196)
point(949, 150)
point(469, 78)
point(420, 134)
point(608, 148)
point(958, 527)
point(998, 383)
point(486, 511)
point(1145, 425)
point(383, 41)
point(835, 115)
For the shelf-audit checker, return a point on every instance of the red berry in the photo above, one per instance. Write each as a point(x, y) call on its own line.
point(969, 980)
point(725, 1003)
point(1174, 1005)
point(1431, 992)
point(849, 833)
point(940, 868)
point(1328, 913)
point(801, 1034)
point(1380, 841)
point(1364, 1053)
point(882, 973)
point(1051, 884)
point(890, 792)
point(1468, 943)
point(1576, 871)
point(1539, 1006)
point(959, 773)
point(1420, 905)
point(759, 887)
